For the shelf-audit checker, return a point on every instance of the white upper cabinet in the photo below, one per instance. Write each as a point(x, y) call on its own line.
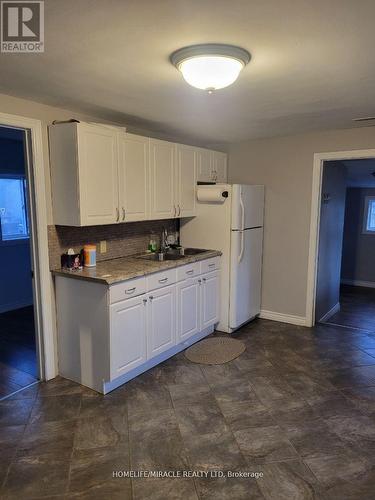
point(133, 177)
point(162, 180)
point(185, 180)
point(211, 166)
point(84, 174)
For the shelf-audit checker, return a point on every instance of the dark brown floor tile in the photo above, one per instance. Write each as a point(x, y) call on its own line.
point(287, 480)
point(56, 408)
point(265, 444)
point(214, 451)
point(200, 419)
point(184, 394)
point(333, 404)
point(234, 391)
point(27, 393)
point(352, 377)
point(228, 487)
point(155, 441)
point(143, 397)
point(271, 389)
point(93, 473)
point(219, 374)
point(179, 373)
point(164, 489)
point(361, 487)
point(102, 406)
point(60, 386)
point(30, 477)
point(246, 414)
point(15, 412)
point(363, 398)
point(54, 439)
point(100, 432)
point(292, 410)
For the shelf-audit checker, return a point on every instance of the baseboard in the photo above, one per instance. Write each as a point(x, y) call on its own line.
point(366, 284)
point(11, 306)
point(330, 313)
point(283, 318)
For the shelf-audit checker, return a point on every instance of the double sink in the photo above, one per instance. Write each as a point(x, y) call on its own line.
point(171, 254)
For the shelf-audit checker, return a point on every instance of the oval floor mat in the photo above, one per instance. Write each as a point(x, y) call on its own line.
point(215, 350)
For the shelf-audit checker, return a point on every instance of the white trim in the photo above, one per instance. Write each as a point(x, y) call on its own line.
point(283, 318)
point(47, 339)
point(366, 284)
point(331, 312)
point(319, 158)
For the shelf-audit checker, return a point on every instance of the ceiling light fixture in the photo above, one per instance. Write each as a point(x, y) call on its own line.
point(210, 66)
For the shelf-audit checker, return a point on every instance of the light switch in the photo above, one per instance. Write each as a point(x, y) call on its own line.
point(103, 247)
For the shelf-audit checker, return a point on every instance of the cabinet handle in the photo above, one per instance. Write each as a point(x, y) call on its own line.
point(117, 214)
point(204, 280)
point(130, 290)
point(175, 210)
point(144, 301)
point(179, 210)
point(151, 297)
point(163, 280)
point(199, 281)
point(123, 213)
point(190, 272)
point(211, 265)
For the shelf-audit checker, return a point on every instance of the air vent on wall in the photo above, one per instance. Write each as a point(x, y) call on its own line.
point(364, 119)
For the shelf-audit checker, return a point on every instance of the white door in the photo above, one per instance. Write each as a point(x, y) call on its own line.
point(98, 177)
point(128, 335)
point(188, 308)
point(210, 290)
point(161, 322)
point(186, 181)
point(245, 275)
point(247, 206)
point(133, 177)
point(204, 165)
point(219, 166)
point(162, 179)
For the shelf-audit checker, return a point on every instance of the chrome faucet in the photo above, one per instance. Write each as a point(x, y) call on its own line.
point(163, 241)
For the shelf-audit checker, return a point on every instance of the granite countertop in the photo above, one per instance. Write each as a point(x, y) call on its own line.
point(114, 271)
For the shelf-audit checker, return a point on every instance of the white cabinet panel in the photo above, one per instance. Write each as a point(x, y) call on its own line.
point(219, 166)
point(128, 335)
point(204, 165)
point(97, 158)
point(210, 290)
point(186, 181)
point(161, 322)
point(162, 180)
point(188, 309)
point(133, 177)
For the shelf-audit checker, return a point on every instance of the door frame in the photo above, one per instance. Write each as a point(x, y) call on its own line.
point(43, 285)
point(319, 159)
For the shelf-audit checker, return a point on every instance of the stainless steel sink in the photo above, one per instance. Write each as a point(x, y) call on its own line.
point(167, 256)
point(194, 251)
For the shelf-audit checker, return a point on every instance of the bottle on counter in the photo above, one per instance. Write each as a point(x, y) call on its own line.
point(152, 246)
point(89, 255)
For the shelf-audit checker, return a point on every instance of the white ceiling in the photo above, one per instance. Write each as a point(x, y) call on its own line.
point(312, 64)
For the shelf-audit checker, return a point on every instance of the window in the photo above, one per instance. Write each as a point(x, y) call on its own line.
point(369, 215)
point(13, 215)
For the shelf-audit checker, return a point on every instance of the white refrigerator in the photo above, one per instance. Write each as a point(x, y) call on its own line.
point(230, 219)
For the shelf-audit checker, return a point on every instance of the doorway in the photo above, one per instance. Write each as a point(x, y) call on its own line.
point(19, 366)
point(345, 284)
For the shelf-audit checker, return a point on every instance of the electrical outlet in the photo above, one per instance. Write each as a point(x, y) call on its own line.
point(103, 247)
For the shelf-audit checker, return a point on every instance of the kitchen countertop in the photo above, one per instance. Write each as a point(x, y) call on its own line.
point(114, 271)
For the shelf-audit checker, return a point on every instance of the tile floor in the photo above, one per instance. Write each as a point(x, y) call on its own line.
point(298, 406)
point(18, 363)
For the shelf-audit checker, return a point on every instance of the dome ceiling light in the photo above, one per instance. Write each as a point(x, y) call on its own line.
point(210, 66)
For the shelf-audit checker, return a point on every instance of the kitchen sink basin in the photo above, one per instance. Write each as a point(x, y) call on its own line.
point(194, 251)
point(167, 256)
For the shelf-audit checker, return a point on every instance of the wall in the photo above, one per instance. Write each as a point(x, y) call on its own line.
point(358, 258)
point(15, 263)
point(331, 231)
point(285, 165)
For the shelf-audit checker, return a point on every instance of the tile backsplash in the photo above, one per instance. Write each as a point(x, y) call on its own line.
point(122, 239)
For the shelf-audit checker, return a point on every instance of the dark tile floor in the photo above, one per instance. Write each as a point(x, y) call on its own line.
point(18, 364)
point(297, 406)
point(357, 308)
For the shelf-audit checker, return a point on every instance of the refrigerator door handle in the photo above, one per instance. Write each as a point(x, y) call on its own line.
point(241, 247)
point(242, 213)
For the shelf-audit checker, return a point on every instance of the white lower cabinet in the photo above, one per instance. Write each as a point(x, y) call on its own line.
point(210, 290)
point(161, 322)
point(188, 308)
point(128, 335)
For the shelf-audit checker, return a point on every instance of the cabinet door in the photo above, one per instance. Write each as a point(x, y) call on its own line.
point(219, 166)
point(204, 165)
point(210, 292)
point(128, 335)
point(98, 174)
point(133, 177)
point(162, 179)
point(188, 309)
point(161, 323)
point(186, 181)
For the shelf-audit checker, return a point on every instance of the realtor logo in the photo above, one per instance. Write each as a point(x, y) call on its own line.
point(22, 26)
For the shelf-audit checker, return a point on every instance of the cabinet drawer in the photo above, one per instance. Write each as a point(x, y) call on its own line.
point(127, 289)
point(158, 280)
point(188, 271)
point(210, 265)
